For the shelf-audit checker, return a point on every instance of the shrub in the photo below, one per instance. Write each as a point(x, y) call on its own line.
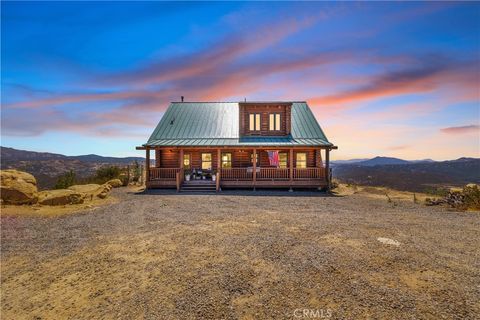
point(65, 180)
point(471, 195)
point(124, 180)
point(439, 192)
point(136, 171)
point(334, 184)
point(105, 174)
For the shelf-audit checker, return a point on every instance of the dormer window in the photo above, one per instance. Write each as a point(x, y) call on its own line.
point(265, 119)
point(254, 122)
point(274, 124)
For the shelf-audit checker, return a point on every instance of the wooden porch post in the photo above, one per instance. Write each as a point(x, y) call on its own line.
point(327, 167)
point(147, 168)
point(290, 160)
point(181, 174)
point(219, 167)
point(158, 153)
point(181, 159)
point(254, 168)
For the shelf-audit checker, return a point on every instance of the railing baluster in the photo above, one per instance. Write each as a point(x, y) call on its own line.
point(164, 173)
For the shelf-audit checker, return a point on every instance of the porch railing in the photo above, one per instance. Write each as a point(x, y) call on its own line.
point(308, 173)
point(236, 174)
point(163, 173)
point(273, 174)
point(246, 174)
point(277, 174)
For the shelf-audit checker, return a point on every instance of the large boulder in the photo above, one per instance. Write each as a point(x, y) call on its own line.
point(92, 190)
point(115, 183)
point(18, 187)
point(60, 197)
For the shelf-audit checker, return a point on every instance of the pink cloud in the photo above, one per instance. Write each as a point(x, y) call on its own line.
point(461, 129)
point(399, 147)
point(426, 77)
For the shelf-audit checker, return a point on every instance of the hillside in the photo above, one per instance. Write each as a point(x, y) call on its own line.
point(381, 161)
point(46, 167)
point(378, 161)
point(412, 176)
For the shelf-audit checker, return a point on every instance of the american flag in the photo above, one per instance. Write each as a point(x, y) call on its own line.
point(273, 158)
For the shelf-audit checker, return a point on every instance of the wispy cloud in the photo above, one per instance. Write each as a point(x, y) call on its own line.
point(462, 129)
point(399, 147)
point(429, 73)
point(361, 84)
point(209, 60)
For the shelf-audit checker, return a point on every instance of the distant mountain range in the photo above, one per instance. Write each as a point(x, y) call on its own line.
point(46, 167)
point(418, 175)
point(379, 161)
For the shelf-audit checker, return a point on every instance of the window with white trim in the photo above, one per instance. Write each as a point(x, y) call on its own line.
point(206, 161)
point(254, 121)
point(226, 160)
point(301, 160)
point(282, 160)
point(274, 123)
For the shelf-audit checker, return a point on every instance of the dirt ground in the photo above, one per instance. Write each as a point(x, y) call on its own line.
point(244, 255)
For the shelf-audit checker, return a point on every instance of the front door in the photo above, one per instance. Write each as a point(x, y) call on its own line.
point(187, 161)
point(206, 161)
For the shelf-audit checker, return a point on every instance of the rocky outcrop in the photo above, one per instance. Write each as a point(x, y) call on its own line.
point(93, 190)
point(60, 197)
point(115, 183)
point(467, 198)
point(18, 187)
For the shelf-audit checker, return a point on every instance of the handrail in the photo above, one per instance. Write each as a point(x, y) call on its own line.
point(308, 173)
point(273, 174)
point(163, 173)
point(243, 174)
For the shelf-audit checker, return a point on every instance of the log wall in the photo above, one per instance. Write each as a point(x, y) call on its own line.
point(170, 158)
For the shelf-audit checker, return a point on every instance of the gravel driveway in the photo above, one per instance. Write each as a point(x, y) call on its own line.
point(162, 255)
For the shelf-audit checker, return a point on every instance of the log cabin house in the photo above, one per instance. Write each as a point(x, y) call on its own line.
point(215, 145)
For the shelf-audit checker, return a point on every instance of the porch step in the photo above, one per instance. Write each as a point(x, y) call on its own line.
point(198, 187)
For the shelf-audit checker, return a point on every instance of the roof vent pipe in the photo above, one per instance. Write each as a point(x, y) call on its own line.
point(182, 98)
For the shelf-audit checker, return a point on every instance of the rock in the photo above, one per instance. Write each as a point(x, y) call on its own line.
point(92, 190)
point(115, 183)
point(60, 197)
point(434, 202)
point(18, 187)
point(389, 241)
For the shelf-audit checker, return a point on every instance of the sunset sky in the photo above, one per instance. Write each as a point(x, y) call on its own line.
point(392, 79)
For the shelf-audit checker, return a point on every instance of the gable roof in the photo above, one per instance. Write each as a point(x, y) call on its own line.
point(217, 124)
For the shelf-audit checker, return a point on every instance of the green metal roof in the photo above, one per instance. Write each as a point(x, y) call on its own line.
point(217, 124)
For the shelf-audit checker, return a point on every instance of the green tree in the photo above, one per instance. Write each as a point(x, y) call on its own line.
point(136, 171)
point(107, 173)
point(65, 180)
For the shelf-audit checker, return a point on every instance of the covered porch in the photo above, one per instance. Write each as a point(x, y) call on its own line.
point(301, 167)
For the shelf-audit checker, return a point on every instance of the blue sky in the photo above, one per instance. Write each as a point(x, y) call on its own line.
point(396, 79)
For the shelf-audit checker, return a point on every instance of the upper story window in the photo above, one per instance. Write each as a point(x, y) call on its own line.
point(254, 122)
point(274, 124)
